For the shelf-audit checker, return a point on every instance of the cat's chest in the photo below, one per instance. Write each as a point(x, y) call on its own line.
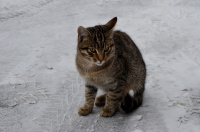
point(98, 79)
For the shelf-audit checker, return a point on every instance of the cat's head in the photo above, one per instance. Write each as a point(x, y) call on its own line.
point(96, 44)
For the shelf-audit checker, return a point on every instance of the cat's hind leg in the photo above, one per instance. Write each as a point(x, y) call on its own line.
point(100, 101)
point(133, 99)
point(138, 94)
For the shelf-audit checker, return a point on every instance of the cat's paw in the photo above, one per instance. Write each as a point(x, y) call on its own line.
point(100, 101)
point(84, 111)
point(107, 112)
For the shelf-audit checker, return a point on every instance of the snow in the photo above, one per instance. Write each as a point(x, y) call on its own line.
point(41, 90)
point(138, 130)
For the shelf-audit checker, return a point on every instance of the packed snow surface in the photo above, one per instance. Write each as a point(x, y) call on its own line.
point(41, 90)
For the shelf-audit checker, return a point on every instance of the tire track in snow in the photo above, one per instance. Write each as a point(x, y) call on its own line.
point(61, 105)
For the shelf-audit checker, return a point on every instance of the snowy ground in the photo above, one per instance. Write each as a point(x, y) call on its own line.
point(41, 91)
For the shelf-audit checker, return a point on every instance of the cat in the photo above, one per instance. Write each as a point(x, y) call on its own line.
point(110, 60)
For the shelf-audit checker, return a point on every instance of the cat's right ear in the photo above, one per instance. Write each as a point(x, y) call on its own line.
point(83, 33)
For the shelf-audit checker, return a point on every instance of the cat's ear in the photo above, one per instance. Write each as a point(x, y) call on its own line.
point(111, 24)
point(83, 33)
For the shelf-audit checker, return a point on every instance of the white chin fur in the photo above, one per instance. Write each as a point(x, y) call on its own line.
point(99, 64)
point(131, 93)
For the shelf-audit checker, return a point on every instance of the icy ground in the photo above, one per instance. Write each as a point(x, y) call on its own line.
point(41, 91)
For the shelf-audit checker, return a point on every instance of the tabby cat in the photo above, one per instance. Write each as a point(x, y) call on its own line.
point(110, 60)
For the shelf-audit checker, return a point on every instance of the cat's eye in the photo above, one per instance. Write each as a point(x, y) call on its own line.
point(92, 50)
point(106, 49)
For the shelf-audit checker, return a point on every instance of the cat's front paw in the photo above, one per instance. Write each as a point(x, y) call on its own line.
point(107, 112)
point(84, 111)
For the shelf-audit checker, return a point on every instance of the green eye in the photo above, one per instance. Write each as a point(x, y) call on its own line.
point(93, 50)
point(106, 49)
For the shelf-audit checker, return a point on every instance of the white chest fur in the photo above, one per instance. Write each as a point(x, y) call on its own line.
point(100, 80)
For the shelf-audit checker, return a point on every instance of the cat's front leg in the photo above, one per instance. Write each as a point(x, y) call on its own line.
point(90, 94)
point(113, 98)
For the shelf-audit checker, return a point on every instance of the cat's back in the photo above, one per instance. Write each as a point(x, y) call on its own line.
point(122, 38)
point(128, 53)
point(125, 45)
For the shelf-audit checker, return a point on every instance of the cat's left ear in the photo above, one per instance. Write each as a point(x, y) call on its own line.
point(111, 24)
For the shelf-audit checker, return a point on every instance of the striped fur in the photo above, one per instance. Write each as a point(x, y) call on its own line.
point(111, 61)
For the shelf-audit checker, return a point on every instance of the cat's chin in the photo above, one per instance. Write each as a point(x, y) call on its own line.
point(99, 64)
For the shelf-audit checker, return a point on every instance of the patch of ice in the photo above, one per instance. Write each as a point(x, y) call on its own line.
point(137, 118)
point(137, 130)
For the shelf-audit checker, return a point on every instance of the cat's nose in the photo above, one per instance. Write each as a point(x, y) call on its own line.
point(100, 58)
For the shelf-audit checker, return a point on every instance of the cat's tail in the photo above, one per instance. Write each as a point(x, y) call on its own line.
point(130, 102)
